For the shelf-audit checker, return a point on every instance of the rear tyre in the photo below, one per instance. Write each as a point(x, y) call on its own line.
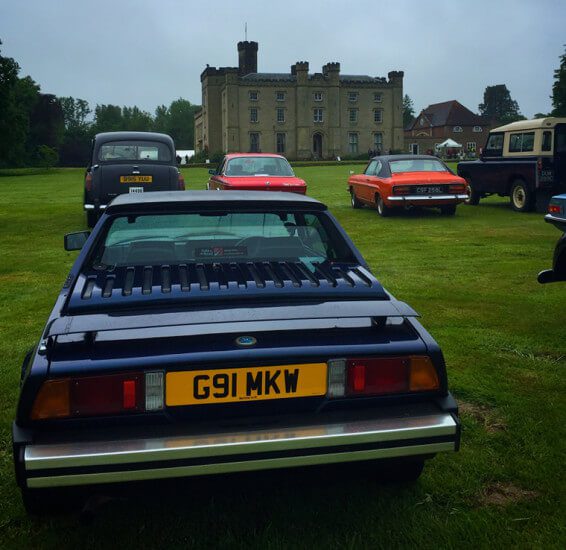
point(473, 196)
point(400, 470)
point(91, 218)
point(521, 197)
point(382, 209)
point(354, 200)
point(448, 210)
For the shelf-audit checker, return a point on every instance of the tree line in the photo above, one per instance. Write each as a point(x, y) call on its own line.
point(38, 129)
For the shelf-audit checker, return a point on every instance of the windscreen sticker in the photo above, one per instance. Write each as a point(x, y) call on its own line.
point(219, 251)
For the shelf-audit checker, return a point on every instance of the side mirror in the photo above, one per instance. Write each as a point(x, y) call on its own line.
point(75, 241)
point(212, 172)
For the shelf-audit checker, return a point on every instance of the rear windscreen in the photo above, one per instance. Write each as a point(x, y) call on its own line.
point(139, 151)
point(221, 237)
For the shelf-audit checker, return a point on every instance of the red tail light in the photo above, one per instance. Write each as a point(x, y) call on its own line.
point(381, 376)
point(378, 376)
point(99, 395)
point(88, 181)
point(457, 188)
point(554, 209)
point(181, 182)
point(401, 189)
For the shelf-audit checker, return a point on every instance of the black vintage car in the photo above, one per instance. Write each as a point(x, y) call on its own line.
point(128, 162)
point(203, 333)
point(525, 161)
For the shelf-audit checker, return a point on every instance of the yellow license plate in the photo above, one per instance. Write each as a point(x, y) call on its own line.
point(136, 179)
point(245, 384)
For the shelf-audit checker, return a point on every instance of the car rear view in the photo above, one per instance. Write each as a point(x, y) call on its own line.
point(225, 332)
point(129, 162)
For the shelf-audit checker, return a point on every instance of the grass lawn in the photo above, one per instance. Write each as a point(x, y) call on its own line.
point(472, 278)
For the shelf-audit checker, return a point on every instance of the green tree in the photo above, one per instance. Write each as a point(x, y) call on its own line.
point(162, 119)
point(47, 124)
point(18, 97)
point(108, 118)
point(182, 123)
point(75, 149)
point(136, 120)
point(499, 105)
point(75, 113)
point(46, 156)
point(559, 89)
point(408, 111)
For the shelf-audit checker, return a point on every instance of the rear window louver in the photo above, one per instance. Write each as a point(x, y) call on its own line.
point(237, 279)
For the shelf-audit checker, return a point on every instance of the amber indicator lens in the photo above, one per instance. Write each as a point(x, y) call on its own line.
point(52, 400)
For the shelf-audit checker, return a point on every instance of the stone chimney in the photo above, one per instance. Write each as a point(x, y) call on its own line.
point(247, 58)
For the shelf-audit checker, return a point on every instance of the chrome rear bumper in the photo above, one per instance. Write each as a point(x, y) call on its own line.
point(93, 462)
point(418, 198)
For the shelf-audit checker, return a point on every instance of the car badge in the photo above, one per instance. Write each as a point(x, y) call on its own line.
point(246, 341)
point(267, 183)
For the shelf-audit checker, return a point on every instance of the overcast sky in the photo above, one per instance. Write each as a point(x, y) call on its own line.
point(150, 52)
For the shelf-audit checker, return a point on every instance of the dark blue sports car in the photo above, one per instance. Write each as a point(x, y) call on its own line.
point(200, 333)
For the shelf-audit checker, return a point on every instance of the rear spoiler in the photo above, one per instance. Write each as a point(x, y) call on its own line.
point(118, 326)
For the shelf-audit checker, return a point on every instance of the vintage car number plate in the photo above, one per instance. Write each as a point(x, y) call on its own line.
point(135, 190)
point(245, 384)
point(136, 179)
point(429, 189)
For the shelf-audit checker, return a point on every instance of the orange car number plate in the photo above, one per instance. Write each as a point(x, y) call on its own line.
point(136, 179)
point(245, 384)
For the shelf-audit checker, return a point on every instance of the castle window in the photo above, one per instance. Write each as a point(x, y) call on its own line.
point(378, 97)
point(252, 95)
point(378, 116)
point(378, 141)
point(280, 139)
point(478, 129)
point(352, 96)
point(254, 115)
point(457, 129)
point(280, 112)
point(317, 115)
point(353, 115)
point(279, 96)
point(353, 143)
point(254, 142)
point(318, 96)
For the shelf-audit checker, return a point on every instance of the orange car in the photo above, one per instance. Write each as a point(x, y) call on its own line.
point(394, 181)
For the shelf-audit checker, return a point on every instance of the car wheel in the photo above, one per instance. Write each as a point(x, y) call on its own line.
point(382, 209)
point(91, 218)
point(448, 210)
point(522, 199)
point(400, 470)
point(473, 196)
point(354, 200)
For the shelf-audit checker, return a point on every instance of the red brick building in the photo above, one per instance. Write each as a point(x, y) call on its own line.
point(440, 121)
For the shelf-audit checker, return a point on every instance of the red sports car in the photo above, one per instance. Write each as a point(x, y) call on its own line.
point(394, 181)
point(255, 172)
